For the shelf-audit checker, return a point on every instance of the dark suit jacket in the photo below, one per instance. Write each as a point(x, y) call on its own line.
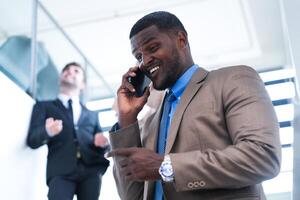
point(223, 140)
point(62, 148)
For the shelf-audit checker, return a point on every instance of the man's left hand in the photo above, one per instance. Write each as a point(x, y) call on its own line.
point(139, 164)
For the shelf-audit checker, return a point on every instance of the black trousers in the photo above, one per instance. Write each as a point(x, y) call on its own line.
point(84, 182)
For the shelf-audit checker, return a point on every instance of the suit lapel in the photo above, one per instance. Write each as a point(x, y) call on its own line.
point(153, 130)
point(59, 104)
point(82, 114)
point(187, 96)
point(65, 111)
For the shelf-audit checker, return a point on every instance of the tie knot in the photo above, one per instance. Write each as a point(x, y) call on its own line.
point(170, 96)
point(70, 103)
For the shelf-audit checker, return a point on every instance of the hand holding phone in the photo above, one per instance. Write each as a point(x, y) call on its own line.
point(140, 82)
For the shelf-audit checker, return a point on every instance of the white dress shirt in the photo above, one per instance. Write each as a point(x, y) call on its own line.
point(75, 105)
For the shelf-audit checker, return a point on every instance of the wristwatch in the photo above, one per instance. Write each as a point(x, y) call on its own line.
point(166, 170)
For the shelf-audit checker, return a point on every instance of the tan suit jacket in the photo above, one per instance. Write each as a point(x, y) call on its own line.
point(223, 140)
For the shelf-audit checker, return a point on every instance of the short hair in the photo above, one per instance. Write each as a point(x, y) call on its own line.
point(163, 20)
point(77, 65)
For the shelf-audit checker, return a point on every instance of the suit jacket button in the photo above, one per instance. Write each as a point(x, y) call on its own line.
point(202, 183)
point(190, 185)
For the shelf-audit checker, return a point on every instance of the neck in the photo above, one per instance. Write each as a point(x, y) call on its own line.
point(187, 59)
point(187, 65)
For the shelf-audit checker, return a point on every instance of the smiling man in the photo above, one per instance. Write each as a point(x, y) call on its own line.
point(74, 138)
point(215, 135)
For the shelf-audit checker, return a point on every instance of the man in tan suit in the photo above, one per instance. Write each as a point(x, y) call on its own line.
point(221, 132)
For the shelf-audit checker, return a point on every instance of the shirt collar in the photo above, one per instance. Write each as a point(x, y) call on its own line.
point(65, 98)
point(183, 81)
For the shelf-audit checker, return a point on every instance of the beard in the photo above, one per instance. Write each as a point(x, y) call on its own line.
point(172, 71)
point(68, 84)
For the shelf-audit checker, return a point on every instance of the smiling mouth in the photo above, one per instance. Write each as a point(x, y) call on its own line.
point(154, 69)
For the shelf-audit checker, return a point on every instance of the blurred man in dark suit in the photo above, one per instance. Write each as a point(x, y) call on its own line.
point(76, 145)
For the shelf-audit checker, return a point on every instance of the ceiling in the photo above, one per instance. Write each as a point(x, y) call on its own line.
point(221, 33)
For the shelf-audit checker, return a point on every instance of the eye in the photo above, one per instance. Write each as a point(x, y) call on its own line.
point(153, 48)
point(139, 58)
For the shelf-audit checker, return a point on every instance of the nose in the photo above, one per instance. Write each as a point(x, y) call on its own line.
point(69, 72)
point(147, 60)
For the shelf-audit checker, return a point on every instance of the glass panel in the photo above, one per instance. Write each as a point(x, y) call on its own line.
point(287, 135)
point(274, 188)
point(62, 51)
point(108, 118)
point(287, 159)
point(281, 90)
point(15, 30)
point(277, 74)
point(280, 184)
point(55, 51)
point(101, 104)
point(285, 112)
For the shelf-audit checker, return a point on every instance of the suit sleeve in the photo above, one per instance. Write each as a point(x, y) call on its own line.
point(97, 124)
point(37, 135)
point(252, 126)
point(98, 129)
point(122, 138)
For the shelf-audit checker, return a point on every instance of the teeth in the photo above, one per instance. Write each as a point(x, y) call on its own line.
point(154, 69)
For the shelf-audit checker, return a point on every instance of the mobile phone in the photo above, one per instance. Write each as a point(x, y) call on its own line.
point(140, 82)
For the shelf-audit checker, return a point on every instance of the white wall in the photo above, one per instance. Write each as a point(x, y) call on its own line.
point(22, 170)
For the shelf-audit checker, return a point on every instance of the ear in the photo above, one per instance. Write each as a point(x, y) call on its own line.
point(182, 39)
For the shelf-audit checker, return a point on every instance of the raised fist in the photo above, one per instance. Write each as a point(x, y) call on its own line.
point(53, 126)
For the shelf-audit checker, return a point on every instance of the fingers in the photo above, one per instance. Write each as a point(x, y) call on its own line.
point(127, 168)
point(146, 93)
point(53, 126)
point(137, 164)
point(121, 152)
point(49, 120)
point(126, 86)
point(131, 170)
point(53, 122)
point(124, 162)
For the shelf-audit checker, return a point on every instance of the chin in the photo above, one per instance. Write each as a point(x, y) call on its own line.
point(159, 86)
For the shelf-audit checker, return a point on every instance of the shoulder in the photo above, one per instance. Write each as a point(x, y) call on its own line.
point(88, 111)
point(232, 73)
point(233, 70)
point(45, 103)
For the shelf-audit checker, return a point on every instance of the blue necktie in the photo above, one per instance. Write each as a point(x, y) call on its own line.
point(162, 138)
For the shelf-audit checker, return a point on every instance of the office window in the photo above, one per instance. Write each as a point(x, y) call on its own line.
point(280, 85)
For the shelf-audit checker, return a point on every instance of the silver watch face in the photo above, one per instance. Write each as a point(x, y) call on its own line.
point(166, 170)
